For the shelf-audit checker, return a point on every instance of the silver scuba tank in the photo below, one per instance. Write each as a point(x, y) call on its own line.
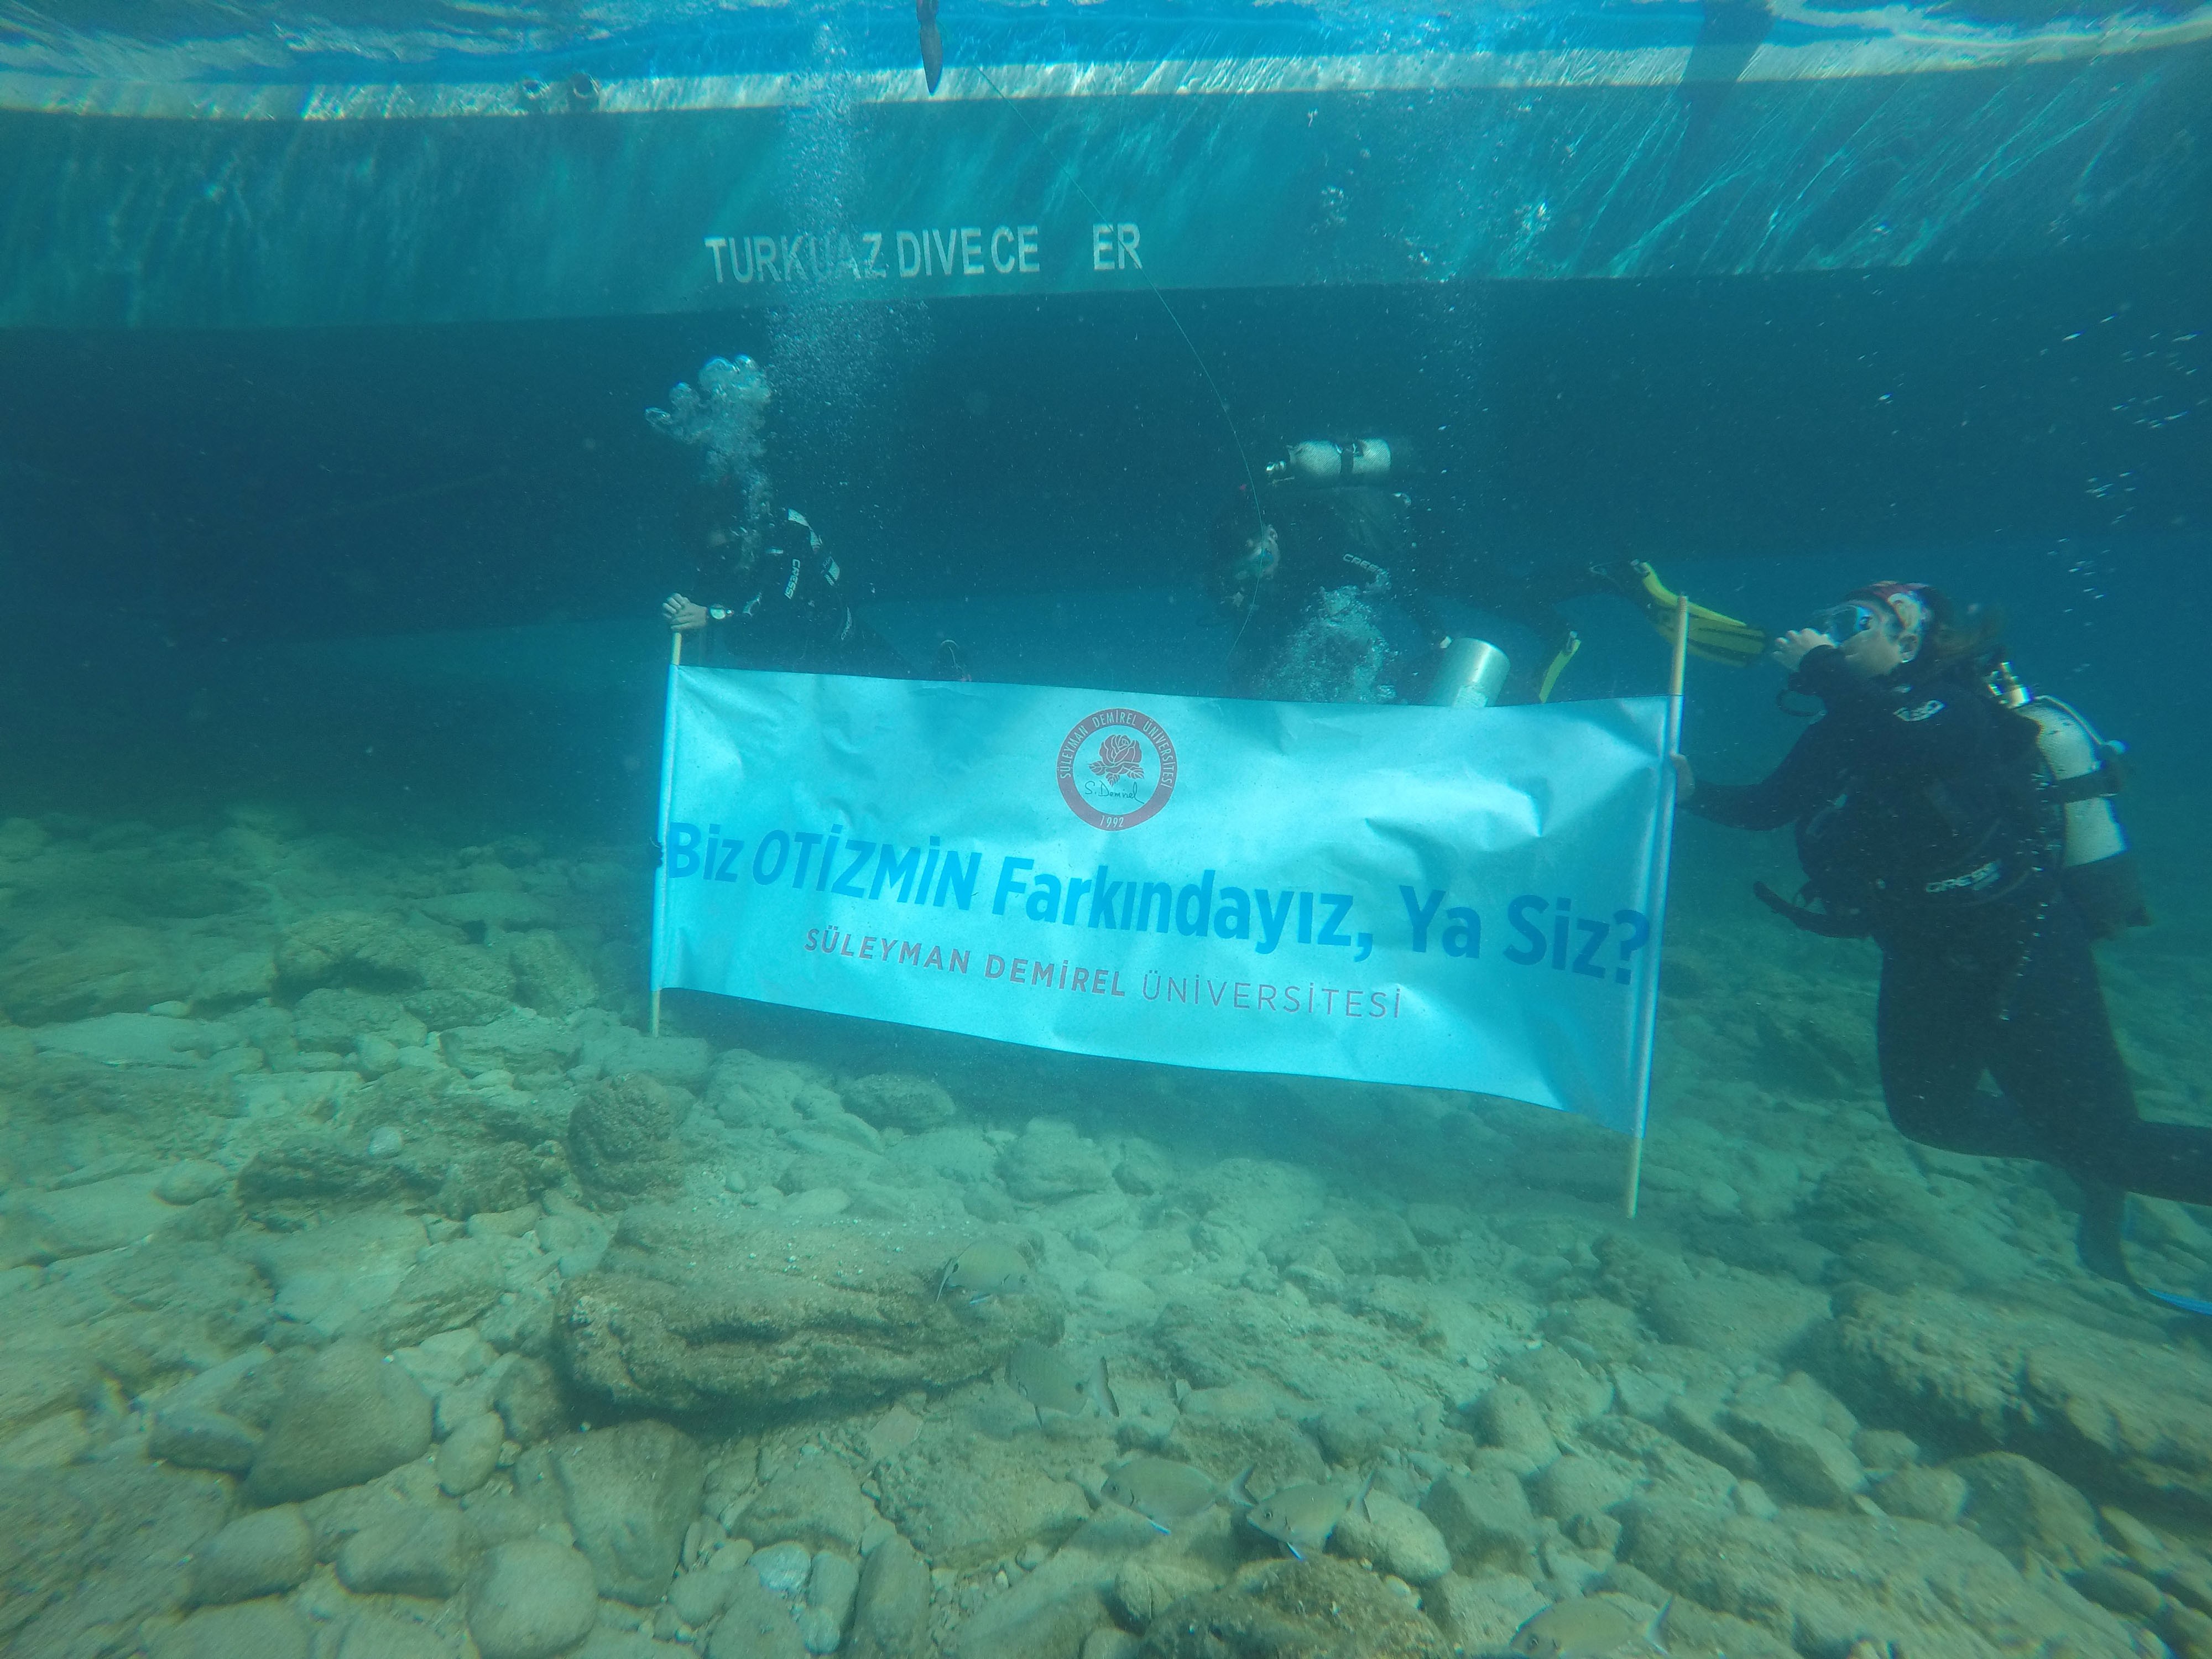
point(2100, 873)
point(1319, 463)
point(1469, 675)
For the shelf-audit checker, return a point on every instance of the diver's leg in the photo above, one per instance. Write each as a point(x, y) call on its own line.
point(1934, 1025)
point(2057, 1057)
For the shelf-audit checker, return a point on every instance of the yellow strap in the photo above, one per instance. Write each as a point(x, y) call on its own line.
point(1559, 665)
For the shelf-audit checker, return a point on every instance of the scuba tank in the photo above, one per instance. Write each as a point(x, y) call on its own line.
point(2099, 874)
point(1469, 675)
point(1319, 463)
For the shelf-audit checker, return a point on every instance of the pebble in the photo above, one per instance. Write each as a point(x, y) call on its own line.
point(191, 1181)
point(783, 1568)
point(385, 1142)
point(532, 1600)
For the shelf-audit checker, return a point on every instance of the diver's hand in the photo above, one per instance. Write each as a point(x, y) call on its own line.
point(1686, 780)
point(1793, 647)
point(684, 616)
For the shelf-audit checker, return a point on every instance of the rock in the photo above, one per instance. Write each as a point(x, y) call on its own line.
point(336, 1021)
point(816, 1502)
point(1049, 1161)
point(782, 1568)
point(831, 1588)
point(88, 1551)
point(687, 1313)
point(967, 1496)
point(1819, 1580)
point(2129, 1594)
point(1800, 1456)
point(1295, 1610)
point(1936, 1495)
point(421, 1549)
point(1107, 1642)
point(347, 1416)
point(100, 1215)
point(1695, 1419)
point(890, 1617)
point(622, 1139)
point(1050, 1609)
point(1154, 1578)
point(469, 1454)
point(353, 948)
point(1396, 1536)
point(453, 1286)
point(342, 1271)
point(1576, 1486)
point(900, 1100)
point(1562, 1387)
point(1884, 1449)
point(747, 1092)
point(263, 1554)
point(1728, 1311)
point(530, 1402)
point(1484, 1519)
point(630, 1491)
point(1509, 1418)
point(755, 1625)
point(137, 1040)
point(191, 1181)
point(530, 1599)
point(2028, 1512)
point(2123, 1416)
point(203, 1440)
point(266, 1630)
point(524, 1044)
point(548, 977)
point(699, 1597)
point(1482, 1614)
point(370, 1635)
point(618, 1050)
point(1244, 1427)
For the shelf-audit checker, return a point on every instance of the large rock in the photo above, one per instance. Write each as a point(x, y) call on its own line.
point(687, 1313)
point(419, 1550)
point(816, 1502)
point(368, 952)
point(630, 1491)
point(1396, 1536)
point(621, 1139)
point(900, 1100)
point(2123, 1419)
point(523, 1044)
point(90, 1551)
point(1050, 1161)
point(349, 1416)
point(547, 977)
point(1319, 1609)
point(532, 1599)
point(1819, 1581)
point(2029, 1513)
point(968, 1495)
point(1484, 1519)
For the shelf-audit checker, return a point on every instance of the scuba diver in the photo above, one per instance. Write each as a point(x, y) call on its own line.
point(1332, 579)
point(1964, 827)
point(775, 599)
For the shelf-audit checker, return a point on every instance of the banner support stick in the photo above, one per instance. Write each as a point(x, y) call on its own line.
point(653, 1019)
point(1632, 1181)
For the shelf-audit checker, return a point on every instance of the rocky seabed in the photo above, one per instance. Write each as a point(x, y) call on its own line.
point(373, 1288)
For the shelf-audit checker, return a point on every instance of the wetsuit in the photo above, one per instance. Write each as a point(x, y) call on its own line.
point(1385, 550)
point(790, 604)
point(1924, 818)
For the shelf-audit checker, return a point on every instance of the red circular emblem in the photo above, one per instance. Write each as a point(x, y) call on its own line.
point(1117, 768)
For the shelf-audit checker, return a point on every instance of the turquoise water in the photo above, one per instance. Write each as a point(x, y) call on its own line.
point(374, 1284)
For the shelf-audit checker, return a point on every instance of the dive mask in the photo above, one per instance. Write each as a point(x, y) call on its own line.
point(1844, 622)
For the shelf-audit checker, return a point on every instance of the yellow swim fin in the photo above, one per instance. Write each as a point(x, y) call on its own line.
point(1557, 666)
point(1713, 636)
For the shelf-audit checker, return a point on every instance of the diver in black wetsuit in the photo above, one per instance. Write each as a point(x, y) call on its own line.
point(772, 596)
point(1332, 579)
point(1927, 820)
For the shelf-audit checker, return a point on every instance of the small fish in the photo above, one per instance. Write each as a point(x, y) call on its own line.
point(988, 1267)
point(1301, 1518)
point(932, 44)
point(1041, 1376)
point(1588, 1627)
point(1164, 1491)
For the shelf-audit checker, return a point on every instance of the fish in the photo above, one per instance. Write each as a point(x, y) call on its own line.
point(988, 1267)
point(1589, 1627)
point(1300, 1518)
point(1042, 1376)
point(932, 44)
point(1165, 1491)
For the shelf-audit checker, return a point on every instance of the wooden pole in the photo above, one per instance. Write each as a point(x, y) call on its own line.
point(1632, 1185)
point(675, 660)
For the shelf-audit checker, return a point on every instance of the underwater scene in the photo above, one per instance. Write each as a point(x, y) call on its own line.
point(1695, 515)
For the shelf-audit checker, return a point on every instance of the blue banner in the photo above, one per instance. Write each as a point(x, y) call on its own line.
point(1456, 898)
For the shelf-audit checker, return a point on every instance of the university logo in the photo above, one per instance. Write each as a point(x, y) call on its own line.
point(1117, 768)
